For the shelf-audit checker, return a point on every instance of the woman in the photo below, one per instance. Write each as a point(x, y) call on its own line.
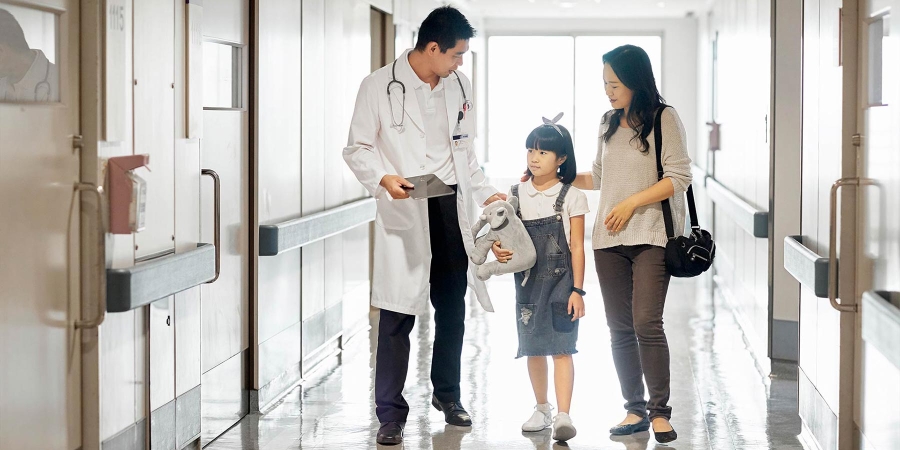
point(629, 236)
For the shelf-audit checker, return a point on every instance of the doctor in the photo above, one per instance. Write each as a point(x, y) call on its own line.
point(413, 117)
point(26, 75)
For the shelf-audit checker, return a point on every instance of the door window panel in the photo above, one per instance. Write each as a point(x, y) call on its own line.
point(28, 61)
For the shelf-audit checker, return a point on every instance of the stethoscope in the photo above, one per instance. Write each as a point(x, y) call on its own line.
point(467, 105)
point(42, 89)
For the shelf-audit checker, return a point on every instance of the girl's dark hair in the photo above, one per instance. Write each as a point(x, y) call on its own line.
point(546, 138)
point(445, 26)
point(632, 65)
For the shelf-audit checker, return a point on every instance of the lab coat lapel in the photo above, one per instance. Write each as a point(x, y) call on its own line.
point(452, 97)
point(410, 80)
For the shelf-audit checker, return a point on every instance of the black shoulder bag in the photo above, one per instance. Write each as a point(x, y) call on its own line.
point(686, 256)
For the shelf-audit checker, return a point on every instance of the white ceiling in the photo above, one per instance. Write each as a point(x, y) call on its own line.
point(586, 8)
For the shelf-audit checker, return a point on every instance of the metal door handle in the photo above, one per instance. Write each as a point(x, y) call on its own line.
point(832, 242)
point(217, 212)
point(101, 257)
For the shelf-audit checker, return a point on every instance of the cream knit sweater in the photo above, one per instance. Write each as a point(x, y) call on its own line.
point(621, 170)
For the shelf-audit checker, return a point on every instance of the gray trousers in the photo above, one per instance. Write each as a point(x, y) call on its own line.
point(634, 281)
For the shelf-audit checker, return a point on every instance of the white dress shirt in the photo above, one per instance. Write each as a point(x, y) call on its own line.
point(433, 105)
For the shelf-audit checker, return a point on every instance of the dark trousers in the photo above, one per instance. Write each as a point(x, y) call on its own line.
point(449, 264)
point(634, 282)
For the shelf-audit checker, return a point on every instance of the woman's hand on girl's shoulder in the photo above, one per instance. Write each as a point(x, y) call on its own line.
point(576, 306)
point(525, 176)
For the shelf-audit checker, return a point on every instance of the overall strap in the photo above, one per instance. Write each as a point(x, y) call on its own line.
point(561, 198)
point(515, 193)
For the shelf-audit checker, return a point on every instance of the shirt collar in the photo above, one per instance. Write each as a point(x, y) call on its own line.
point(551, 192)
point(406, 73)
point(38, 72)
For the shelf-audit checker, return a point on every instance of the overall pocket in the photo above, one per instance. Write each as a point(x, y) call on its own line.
point(557, 265)
point(562, 320)
point(525, 318)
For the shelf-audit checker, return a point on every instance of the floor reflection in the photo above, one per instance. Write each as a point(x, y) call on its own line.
point(722, 397)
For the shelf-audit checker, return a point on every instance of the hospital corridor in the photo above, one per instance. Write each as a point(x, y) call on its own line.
point(449, 224)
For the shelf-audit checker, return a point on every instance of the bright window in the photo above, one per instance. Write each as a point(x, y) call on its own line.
point(534, 76)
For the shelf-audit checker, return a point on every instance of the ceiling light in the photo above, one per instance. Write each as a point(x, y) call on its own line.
point(566, 4)
point(661, 4)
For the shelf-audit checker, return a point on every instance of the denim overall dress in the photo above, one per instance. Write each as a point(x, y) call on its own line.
point(544, 324)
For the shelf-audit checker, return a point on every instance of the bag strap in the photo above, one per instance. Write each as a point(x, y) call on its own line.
point(666, 206)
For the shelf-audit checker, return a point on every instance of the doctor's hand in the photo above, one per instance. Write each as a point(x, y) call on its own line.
point(503, 255)
point(494, 198)
point(395, 185)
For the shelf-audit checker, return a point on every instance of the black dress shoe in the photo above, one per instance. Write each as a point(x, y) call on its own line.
point(454, 413)
point(623, 430)
point(390, 433)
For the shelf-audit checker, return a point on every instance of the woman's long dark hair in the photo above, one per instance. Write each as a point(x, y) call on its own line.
point(632, 65)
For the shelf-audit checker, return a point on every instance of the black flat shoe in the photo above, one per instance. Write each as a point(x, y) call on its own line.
point(454, 413)
point(665, 436)
point(390, 433)
point(624, 430)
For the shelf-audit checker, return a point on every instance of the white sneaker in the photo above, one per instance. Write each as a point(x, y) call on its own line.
point(540, 420)
point(563, 430)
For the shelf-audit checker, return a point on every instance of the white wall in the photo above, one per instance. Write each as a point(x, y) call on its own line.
point(742, 163)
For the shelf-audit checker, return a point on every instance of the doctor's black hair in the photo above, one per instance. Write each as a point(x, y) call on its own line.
point(11, 33)
point(445, 26)
point(546, 138)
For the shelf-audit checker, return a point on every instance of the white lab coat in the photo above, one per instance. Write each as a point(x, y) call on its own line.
point(402, 259)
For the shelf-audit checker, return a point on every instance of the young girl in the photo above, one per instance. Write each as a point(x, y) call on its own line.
point(549, 305)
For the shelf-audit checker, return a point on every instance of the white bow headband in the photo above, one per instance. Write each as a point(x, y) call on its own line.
point(552, 123)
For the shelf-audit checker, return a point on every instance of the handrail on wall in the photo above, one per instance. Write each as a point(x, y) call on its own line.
point(136, 286)
point(752, 220)
point(699, 174)
point(881, 323)
point(805, 265)
point(292, 234)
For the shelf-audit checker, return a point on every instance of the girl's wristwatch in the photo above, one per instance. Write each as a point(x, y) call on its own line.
point(578, 291)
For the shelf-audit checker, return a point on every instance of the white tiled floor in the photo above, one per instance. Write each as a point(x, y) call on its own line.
point(722, 397)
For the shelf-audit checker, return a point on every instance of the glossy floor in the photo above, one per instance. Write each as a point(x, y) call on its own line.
point(722, 397)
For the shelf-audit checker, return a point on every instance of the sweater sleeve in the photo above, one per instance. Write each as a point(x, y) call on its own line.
point(597, 169)
point(675, 160)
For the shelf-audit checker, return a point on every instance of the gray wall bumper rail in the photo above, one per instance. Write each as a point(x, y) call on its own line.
point(752, 220)
point(144, 283)
point(285, 236)
point(881, 323)
point(810, 269)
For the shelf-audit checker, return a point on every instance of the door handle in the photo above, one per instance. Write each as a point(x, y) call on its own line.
point(100, 261)
point(217, 220)
point(832, 242)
